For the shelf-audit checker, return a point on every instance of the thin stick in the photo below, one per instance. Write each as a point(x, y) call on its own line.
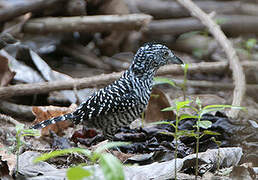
point(9, 119)
point(23, 8)
point(104, 79)
point(100, 23)
point(235, 66)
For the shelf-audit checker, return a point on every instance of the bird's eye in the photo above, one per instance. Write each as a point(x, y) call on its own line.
point(165, 54)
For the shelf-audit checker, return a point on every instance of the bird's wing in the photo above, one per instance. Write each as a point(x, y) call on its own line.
point(108, 100)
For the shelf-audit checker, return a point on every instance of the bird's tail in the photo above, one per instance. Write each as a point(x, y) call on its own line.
point(53, 121)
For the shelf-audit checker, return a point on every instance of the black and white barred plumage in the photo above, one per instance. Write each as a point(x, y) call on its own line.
point(121, 102)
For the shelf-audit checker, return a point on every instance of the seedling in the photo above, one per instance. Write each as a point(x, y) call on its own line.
point(249, 45)
point(110, 165)
point(218, 143)
point(206, 124)
point(21, 132)
point(200, 123)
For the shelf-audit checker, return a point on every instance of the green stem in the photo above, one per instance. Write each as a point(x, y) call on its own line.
point(175, 152)
point(218, 163)
point(142, 119)
point(17, 152)
point(197, 151)
point(185, 80)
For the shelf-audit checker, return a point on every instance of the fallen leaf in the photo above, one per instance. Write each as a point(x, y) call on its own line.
point(6, 75)
point(243, 171)
point(43, 113)
point(6, 157)
point(157, 102)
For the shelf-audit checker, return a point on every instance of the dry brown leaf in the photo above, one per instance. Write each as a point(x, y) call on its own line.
point(122, 156)
point(43, 113)
point(10, 158)
point(157, 102)
point(6, 75)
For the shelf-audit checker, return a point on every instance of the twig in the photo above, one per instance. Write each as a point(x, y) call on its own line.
point(104, 79)
point(99, 23)
point(171, 9)
point(230, 24)
point(235, 66)
point(84, 55)
point(215, 85)
point(17, 110)
point(22, 8)
point(6, 37)
point(9, 119)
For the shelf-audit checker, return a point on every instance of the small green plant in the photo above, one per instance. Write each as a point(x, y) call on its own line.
point(183, 86)
point(177, 134)
point(21, 132)
point(110, 165)
point(218, 143)
point(249, 46)
point(200, 123)
point(161, 80)
point(185, 67)
point(205, 124)
point(221, 21)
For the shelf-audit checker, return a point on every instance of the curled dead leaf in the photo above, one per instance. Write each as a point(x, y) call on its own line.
point(7, 161)
point(6, 75)
point(43, 113)
point(157, 102)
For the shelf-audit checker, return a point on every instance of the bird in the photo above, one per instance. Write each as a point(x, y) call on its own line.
point(124, 100)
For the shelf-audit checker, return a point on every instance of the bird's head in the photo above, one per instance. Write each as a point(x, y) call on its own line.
point(151, 56)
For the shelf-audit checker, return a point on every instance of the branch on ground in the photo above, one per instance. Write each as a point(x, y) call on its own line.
point(23, 8)
point(235, 66)
point(230, 24)
point(104, 79)
point(100, 23)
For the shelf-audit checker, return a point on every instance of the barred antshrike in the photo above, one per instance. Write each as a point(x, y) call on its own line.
point(121, 102)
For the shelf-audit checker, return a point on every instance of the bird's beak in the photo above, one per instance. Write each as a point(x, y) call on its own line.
point(175, 60)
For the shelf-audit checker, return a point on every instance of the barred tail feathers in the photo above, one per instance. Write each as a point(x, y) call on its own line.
point(53, 121)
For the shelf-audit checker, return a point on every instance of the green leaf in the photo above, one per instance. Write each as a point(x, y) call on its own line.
point(223, 106)
point(160, 80)
point(207, 132)
point(168, 133)
point(77, 173)
point(169, 109)
point(250, 43)
point(163, 122)
point(217, 142)
point(186, 116)
point(190, 134)
point(188, 34)
point(31, 134)
point(56, 153)
point(189, 107)
point(19, 128)
point(204, 124)
point(211, 108)
point(198, 102)
point(110, 145)
point(182, 104)
point(221, 21)
point(204, 111)
point(155, 95)
point(111, 167)
point(183, 133)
